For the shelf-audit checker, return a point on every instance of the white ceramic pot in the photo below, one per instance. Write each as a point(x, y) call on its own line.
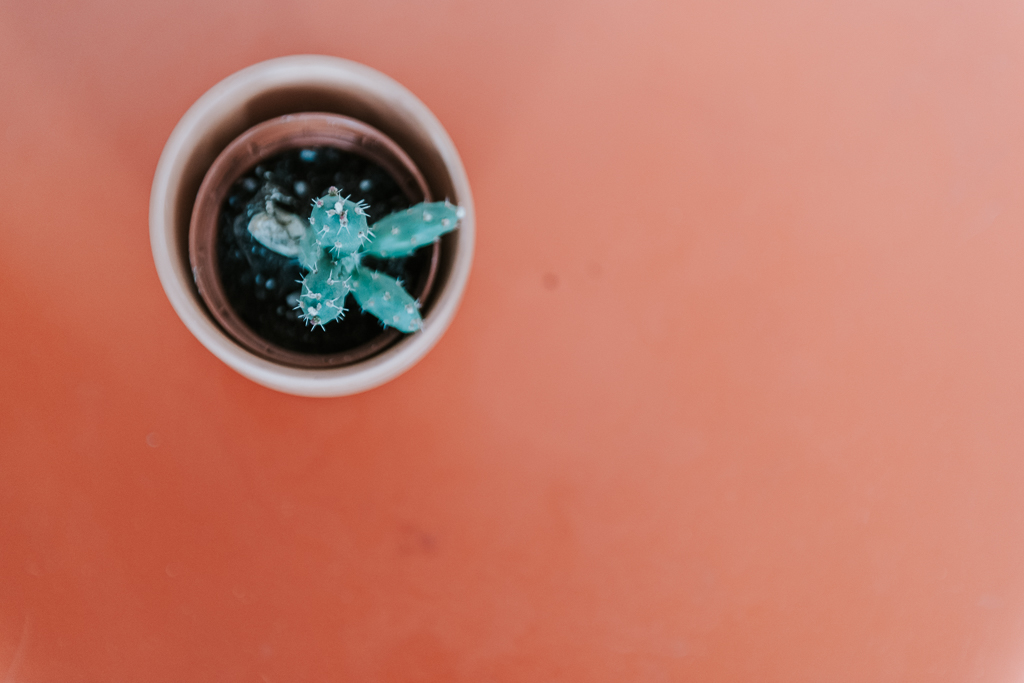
point(289, 85)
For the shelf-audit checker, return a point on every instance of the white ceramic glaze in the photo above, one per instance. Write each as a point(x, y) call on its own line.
point(289, 85)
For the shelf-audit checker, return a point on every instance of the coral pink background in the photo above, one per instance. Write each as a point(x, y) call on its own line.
point(736, 392)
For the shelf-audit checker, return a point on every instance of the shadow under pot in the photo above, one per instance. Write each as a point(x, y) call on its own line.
point(283, 165)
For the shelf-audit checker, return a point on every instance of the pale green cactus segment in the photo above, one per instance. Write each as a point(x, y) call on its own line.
point(338, 223)
point(403, 232)
point(322, 299)
point(310, 253)
point(350, 262)
point(384, 297)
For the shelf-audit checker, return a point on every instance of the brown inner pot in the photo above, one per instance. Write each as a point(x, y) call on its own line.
point(258, 144)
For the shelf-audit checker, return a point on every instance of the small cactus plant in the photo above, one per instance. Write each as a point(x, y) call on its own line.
point(331, 249)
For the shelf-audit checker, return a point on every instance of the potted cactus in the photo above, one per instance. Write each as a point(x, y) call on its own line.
point(312, 225)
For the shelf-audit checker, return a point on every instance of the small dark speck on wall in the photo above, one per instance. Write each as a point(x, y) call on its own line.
point(415, 541)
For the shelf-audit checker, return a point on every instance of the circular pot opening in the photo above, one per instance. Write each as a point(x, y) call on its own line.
point(250, 289)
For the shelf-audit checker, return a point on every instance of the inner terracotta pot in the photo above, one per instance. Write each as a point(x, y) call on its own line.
point(258, 144)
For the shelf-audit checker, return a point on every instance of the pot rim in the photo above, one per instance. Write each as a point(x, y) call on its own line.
point(191, 138)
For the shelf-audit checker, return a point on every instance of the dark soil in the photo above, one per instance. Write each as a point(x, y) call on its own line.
point(263, 286)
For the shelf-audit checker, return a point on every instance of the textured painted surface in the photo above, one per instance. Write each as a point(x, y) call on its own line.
point(735, 392)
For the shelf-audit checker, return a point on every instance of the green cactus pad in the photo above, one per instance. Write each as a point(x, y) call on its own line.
point(338, 223)
point(322, 299)
point(310, 252)
point(404, 232)
point(385, 298)
point(350, 262)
